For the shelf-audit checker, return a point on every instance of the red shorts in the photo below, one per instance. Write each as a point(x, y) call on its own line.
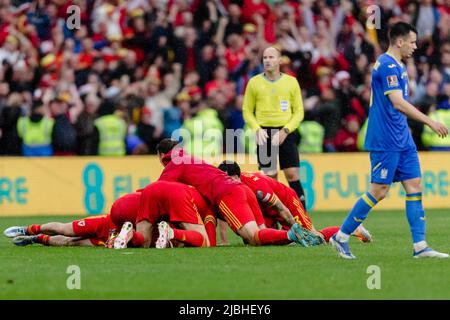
point(176, 206)
point(96, 228)
point(125, 209)
point(240, 207)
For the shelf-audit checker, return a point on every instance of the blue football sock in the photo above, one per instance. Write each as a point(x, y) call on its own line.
point(359, 213)
point(416, 216)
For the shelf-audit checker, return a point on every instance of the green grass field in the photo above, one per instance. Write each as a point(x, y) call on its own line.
point(236, 271)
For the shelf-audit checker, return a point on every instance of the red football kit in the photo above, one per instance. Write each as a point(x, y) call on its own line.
point(168, 201)
point(98, 228)
point(95, 228)
point(270, 189)
point(228, 196)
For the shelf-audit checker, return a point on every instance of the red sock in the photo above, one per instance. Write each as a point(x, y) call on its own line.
point(34, 229)
point(272, 236)
point(329, 232)
point(190, 237)
point(43, 239)
point(211, 232)
point(137, 240)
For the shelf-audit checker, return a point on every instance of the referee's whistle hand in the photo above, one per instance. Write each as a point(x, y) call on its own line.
point(261, 137)
point(278, 138)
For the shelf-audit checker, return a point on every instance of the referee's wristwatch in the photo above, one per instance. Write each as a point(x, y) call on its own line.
point(286, 130)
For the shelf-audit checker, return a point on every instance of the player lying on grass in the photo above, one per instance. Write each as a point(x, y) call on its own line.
point(236, 205)
point(100, 230)
point(280, 204)
point(91, 231)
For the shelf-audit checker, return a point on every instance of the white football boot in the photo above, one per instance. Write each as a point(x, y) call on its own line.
point(165, 235)
point(125, 235)
point(429, 253)
point(15, 231)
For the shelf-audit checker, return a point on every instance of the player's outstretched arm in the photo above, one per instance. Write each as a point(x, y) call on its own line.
point(410, 111)
point(284, 212)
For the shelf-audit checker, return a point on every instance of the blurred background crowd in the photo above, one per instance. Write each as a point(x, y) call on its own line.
point(135, 71)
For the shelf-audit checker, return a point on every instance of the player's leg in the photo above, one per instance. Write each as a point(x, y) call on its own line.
point(357, 215)
point(57, 228)
point(194, 235)
point(235, 208)
point(239, 216)
point(383, 168)
point(183, 211)
point(328, 232)
point(50, 228)
point(145, 228)
point(290, 164)
point(361, 209)
point(53, 241)
point(223, 232)
point(210, 223)
point(361, 233)
point(410, 176)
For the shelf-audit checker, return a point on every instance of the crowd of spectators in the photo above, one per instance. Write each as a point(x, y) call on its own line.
point(159, 63)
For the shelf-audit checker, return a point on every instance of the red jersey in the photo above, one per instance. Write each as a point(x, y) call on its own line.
point(204, 209)
point(212, 183)
point(270, 190)
point(269, 187)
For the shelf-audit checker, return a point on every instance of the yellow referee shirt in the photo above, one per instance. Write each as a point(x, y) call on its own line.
point(273, 103)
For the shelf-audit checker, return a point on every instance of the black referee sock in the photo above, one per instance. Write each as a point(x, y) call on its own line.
point(297, 186)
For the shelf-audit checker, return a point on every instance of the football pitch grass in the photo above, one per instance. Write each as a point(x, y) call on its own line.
point(235, 271)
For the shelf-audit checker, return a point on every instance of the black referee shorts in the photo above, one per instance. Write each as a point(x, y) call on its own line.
point(287, 151)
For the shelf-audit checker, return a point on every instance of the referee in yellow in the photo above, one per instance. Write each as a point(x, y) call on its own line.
point(273, 107)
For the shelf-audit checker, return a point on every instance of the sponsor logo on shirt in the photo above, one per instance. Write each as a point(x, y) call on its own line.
point(391, 66)
point(392, 81)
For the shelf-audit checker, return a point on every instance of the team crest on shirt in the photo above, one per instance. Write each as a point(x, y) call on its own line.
point(392, 81)
point(384, 173)
point(81, 223)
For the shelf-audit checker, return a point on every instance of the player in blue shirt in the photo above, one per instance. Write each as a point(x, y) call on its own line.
point(393, 154)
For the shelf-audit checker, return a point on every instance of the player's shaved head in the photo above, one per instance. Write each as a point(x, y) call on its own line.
point(272, 50)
